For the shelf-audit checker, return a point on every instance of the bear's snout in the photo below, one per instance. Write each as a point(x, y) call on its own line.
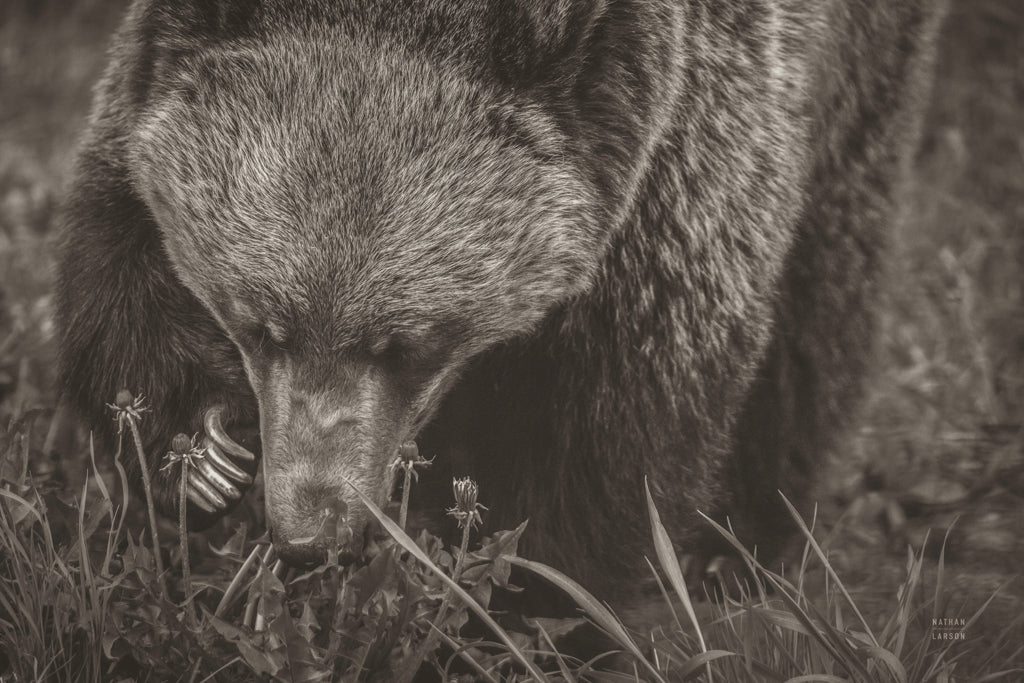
point(322, 445)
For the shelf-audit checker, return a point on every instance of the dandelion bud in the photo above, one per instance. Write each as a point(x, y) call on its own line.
point(184, 450)
point(466, 509)
point(409, 452)
point(181, 444)
point(466, 491)
point(124, 399)
point(408, 459)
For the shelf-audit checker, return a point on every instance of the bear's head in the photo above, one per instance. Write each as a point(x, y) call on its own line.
point(361, 223)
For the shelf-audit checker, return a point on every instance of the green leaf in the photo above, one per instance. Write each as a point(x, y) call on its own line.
point(556, 628)
point(371, 579)
point(890, 660)
point(406, 542)
point(303, 666)
point(235, 546)
point(491, 560)
point(693, 666)
point(307, 624)
point(261, 662)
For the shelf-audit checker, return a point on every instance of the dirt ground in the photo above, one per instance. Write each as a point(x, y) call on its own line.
point(942, 438)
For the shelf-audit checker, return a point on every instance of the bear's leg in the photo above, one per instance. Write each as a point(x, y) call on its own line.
point(807, 389)
point(126, 322)
point(803, 398)
point(824, 334)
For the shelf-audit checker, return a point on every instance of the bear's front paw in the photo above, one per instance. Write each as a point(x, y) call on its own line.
point(218, 482)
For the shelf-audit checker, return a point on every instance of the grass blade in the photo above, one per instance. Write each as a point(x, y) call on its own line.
point(823, 558)
point(670, 564)
point(601, 615)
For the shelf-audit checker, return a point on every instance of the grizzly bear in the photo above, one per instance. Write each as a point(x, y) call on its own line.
point(563, 245)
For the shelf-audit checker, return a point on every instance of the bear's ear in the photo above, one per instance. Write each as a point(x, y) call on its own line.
point(164, 32)
point(608, 72)
point(538, 42)
point(183, 24)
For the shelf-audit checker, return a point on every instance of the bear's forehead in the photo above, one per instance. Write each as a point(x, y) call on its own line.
point(395, 207)
point(444, 220)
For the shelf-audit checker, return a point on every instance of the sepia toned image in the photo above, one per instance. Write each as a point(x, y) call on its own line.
point(512, 340)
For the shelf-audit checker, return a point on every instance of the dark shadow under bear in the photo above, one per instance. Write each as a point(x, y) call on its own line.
point(564, 245)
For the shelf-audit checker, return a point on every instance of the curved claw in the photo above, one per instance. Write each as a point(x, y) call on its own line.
point(199, 485)
point(224, 466)
point(225, 488)
point(217, 481)
point(199, 501)
point(215, 431)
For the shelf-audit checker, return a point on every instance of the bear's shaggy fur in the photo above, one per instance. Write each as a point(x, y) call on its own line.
point(564, 245)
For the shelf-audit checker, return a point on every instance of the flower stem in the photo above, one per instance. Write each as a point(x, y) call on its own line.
point(460, 561)
point(403, 515)
point(186, 566)
point(148, 488)
point(429, 644)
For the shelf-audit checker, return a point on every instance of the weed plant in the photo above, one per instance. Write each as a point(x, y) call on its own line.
point(85, 597)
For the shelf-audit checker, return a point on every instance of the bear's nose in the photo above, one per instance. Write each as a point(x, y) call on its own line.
point(302, 556)
point(306, 556)
point(321, 527)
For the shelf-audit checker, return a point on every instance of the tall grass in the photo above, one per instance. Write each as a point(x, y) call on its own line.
point(81, 598)
point(54, 601)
